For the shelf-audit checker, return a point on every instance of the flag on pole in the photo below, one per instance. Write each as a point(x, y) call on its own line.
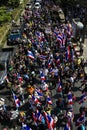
point(39, 115)
point(39, 92)
point(60, 38)
point(67, 127)
point(36, 101)
point(68, 53)
point(35, 118)
point(42, 76)
point(50, 121)
point(83, 98)
point(30, 55)
point(49, 101)
point(59, 87)
point(17, 101)
point(80, 120)
point(70, 98)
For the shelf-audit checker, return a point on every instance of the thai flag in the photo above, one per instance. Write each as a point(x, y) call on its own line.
point(30, 55)
point(68, 53)
point(80, 120)
point(60, 38)
point(67, 127)
point(49, 63)
point(49, 100)
point(49, 120)
point(36, 101)
point(42, 57)
point(42, 77)
point(25, 127)
point(39, 115)
point(68, 31)
point(19, 78)
point(58, 60)
point(59, 87)
point(70, 98)
point(35, 118)
point(39, 92)
point(17, 101)
point(83, 98)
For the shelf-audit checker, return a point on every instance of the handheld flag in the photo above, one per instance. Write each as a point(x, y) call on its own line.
point(30, 55)
point(17, 101)
point(70, 98)
point(83, 98)
point(67, 127)
point(49, 100)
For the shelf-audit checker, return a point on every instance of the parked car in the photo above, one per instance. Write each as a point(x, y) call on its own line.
point(14, 36)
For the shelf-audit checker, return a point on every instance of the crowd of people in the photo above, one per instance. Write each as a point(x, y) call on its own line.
point(44, 65)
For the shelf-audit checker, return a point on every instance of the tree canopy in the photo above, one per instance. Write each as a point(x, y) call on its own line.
point(11, 3)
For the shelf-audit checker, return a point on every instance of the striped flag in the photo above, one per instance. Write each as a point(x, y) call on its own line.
point(19, 78)
point(50, 121)
point(36, 101)
point(42, 57)
point(70, 98)
point(49, 101)
point(17, 101)
point(39, 92)
point(25, 127)
point(67, 127)
point(35, 118)
point(39, 115)
point(49, 63)
point(59, 87)
point(68, 53)
point(60, 38)
point(42, 76)
point(30, 55)
point(58, 60)
point(83, 98)
point(68, 31)
point(80, 120)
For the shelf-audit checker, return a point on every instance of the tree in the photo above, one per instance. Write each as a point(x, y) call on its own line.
point(13, 3)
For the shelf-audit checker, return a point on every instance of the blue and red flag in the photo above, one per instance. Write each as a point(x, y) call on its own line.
point(70, 98)
point(34, 115)
point(83, 98)
point(16, 100)
point(60, 38)
point(39, 115)
point(50, 121)
point(49, 101)
point(68, 55)
point(39, 92)
point(42, 76)
point(30, 55)
point(80, 120)
point(36, 101)
point(67, 127)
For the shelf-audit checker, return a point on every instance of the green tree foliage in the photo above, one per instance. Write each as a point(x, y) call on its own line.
point(11, 3)
point(5, 15)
